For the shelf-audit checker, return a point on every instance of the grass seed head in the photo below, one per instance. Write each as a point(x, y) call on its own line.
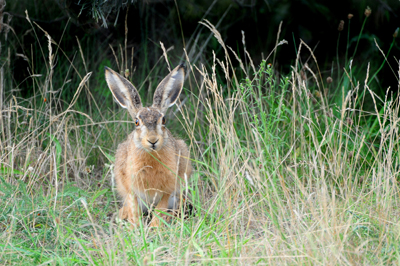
point(349, 16)
point(395, 33)
point(303, 75)
point(329, 80)
point(341, 25)
point(330, 113)
point(367, 11)
point(349, 121)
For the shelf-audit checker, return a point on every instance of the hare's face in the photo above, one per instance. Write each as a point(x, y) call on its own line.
point(150, 131)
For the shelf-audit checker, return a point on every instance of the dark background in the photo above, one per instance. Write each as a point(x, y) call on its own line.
point(149, 22)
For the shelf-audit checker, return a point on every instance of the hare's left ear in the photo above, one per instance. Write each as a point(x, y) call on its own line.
point(124, 92)
point(169, 89)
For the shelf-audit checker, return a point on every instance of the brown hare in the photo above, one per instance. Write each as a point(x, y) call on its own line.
point(151, 163)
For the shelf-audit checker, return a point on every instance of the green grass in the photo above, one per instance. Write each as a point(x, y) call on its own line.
point(284, 173)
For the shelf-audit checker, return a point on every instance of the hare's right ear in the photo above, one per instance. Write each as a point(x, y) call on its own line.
point(124, 92)
point(169, 89)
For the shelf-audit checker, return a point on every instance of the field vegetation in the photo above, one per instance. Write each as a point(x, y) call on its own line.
point(296, 167)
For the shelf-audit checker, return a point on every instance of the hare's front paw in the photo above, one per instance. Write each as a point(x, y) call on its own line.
point(129, 214)
point(155, 222)
point(123, 213)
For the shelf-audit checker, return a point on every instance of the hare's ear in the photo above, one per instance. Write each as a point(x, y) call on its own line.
point(169, 89)
point(124, 92)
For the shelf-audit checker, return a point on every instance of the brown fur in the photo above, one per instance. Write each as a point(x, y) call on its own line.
point(151, 164)
point(137, 170)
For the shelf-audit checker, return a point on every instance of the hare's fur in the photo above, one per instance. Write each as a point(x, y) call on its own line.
point(151, 163)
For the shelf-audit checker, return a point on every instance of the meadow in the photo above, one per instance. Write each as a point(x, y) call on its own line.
point(297, 168)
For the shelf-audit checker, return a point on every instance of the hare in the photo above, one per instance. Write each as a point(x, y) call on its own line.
point(150, 164)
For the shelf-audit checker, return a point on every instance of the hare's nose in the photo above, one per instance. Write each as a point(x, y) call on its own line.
point(153, 144)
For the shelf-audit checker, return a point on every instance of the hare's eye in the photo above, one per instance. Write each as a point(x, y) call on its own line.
point(163, 120)
point(137, 122)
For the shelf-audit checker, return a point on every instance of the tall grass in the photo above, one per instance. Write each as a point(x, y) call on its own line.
point(282, 176)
